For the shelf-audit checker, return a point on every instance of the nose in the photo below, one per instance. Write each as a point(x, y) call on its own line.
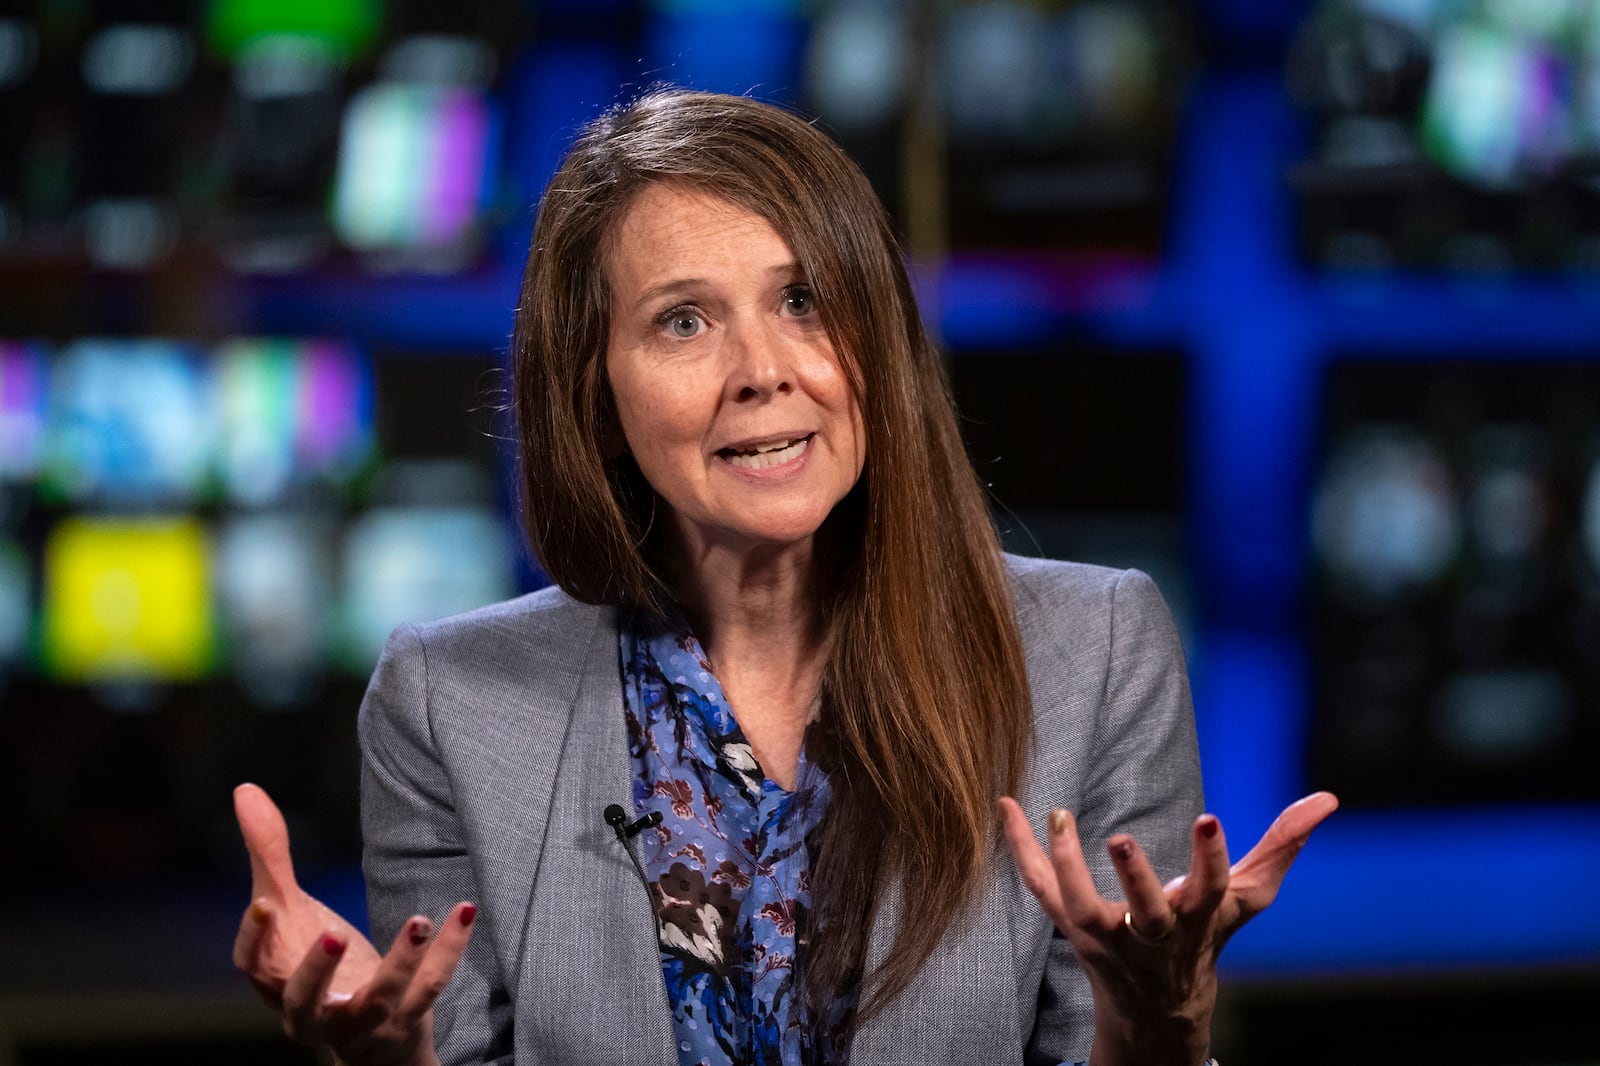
point(760, 363)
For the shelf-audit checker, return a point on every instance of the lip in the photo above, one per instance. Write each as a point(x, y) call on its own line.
point(749, 443)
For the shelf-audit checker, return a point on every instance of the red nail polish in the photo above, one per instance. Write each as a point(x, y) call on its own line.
point(1208, 828)
point(1124, 850)
point(332, 946)
point(468, 913)
point(419, 931)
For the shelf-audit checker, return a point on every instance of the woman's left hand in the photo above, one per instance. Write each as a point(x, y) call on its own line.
point(1152, 960)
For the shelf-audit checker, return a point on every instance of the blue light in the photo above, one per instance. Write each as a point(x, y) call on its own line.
point(756, 53)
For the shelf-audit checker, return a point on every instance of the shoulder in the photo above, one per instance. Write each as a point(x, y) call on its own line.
point(542, 639)
point(1095, 639)
point(548, 616)
point(1080, 602)
point(1055, 580)
point(1112, 713)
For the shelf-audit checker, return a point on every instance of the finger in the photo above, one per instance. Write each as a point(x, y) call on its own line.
point(1152, 916)
point(247, 947)
point(1037, 873)
point(1257, 876)
point(383, 994)
point(1079, 896)
point(307, 987)
point(252, 932)
point(266, 837)
point(1203, 889)
point(437, 966)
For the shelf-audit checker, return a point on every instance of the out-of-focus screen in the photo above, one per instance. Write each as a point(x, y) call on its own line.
point(263, 138)
point(1456, 135)
point(203, 548)
point(1023, 126)
point(1456, 538)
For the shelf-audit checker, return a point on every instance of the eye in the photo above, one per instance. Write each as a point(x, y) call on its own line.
point(682, 322)
point(799, 301)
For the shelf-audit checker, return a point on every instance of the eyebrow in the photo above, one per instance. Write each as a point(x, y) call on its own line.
point(675, 285)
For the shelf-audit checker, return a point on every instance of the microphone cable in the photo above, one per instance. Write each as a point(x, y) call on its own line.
point(617, 819)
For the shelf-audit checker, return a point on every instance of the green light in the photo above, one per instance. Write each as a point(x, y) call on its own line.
point(346, 27)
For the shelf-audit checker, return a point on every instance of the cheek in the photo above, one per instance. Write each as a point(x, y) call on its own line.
point(655, 417)
point(630, 396)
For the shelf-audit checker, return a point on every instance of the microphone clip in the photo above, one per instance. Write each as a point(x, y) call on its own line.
point(617, 819)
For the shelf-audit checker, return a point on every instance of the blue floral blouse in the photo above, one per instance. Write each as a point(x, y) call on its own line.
point(728, 864)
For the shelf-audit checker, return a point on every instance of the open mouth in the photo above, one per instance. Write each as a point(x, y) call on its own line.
point(767, 454)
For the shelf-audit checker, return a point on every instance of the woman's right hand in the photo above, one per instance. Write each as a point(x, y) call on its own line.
point(328, 982)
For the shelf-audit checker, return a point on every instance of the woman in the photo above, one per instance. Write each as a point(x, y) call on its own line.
point(785, 627)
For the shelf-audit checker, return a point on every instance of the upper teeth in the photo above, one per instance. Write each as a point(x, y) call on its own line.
point(774, 446)
point(761, 456)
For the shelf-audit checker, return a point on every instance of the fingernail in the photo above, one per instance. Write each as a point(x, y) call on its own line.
point(332, 945)
point(258, 912)
point(468, 913)
point(1208, 827)
point(419, 931)
point(1123, 851)
point(1058, 822)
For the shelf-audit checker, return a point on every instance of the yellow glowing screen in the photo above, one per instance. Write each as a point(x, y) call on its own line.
point(127, 599)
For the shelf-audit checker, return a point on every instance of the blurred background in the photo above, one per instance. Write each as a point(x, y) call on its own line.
point(1295, 305)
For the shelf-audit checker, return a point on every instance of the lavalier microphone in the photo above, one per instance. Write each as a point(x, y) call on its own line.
point(617, 819)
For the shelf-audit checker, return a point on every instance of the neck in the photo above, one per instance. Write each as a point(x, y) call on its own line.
point(753, 602)
point(759, 618)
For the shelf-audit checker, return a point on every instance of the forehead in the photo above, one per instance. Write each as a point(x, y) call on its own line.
point(668, 231)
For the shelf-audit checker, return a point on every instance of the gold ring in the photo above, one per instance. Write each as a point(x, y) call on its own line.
point(1133, 930)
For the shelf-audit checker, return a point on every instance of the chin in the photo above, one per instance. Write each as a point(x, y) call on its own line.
point(780, 537)
point(782, 529)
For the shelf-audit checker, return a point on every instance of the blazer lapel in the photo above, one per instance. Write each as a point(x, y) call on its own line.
point(592, 988)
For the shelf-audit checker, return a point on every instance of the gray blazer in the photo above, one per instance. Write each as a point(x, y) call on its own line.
point(491, 743)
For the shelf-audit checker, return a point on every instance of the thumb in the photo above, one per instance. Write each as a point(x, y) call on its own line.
point(267, 839)
point(1258, 875)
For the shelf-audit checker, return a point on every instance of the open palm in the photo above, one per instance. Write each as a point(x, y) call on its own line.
point(291, 922)
point(328, 982)
point(1151, 958)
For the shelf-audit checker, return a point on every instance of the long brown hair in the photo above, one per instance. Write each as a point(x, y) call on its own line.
point(925, 706)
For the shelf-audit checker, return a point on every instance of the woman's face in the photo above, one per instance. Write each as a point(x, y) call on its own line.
point(732, 399)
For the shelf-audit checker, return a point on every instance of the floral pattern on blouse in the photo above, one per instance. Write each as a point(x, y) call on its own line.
point(728, 864)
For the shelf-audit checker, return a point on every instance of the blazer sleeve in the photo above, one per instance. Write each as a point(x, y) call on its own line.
point(1142, 777)
point(414, 856)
